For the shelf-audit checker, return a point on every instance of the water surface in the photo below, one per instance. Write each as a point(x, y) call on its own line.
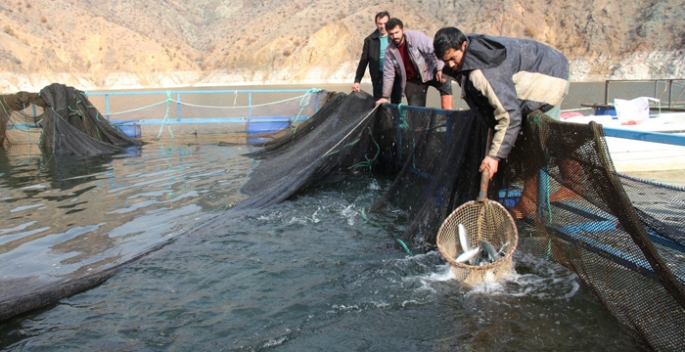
point(308, 274)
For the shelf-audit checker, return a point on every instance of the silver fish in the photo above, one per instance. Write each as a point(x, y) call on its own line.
point(468, 255)
point(490, 250)
point(501, 251)
point(464, 238)
point(483, 258)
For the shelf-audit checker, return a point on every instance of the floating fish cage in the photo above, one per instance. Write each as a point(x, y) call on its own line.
point(253, 116)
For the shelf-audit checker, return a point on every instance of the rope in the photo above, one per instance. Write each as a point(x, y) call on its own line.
point(368, 162)
point(166, 116)
point(171, 100)
point(395, 236)
point(140, 108)
point(402, 110)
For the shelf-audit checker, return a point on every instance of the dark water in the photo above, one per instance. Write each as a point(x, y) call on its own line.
point(310, 274)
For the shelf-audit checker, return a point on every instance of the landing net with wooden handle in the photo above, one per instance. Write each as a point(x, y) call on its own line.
point(484, 219)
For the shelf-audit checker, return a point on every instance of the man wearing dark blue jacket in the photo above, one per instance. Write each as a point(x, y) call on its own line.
point(373, 55)
point(503, 80)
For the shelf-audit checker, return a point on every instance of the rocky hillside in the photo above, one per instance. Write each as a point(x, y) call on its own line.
point(100, 44)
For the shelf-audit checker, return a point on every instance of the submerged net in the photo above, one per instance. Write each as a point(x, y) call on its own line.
point(607, 228)
point(623, 237)
point(601, 225)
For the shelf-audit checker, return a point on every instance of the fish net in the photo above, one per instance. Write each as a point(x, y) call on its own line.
point(622, 236)
point(233, 116)
point(69, 123)
point(114, 120)
point(600, 224)
point(483, 221)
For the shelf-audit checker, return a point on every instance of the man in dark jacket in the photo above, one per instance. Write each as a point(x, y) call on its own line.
point(373, 55)
point(503, 80)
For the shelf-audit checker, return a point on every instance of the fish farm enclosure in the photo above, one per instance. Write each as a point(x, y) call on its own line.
point(307, 219)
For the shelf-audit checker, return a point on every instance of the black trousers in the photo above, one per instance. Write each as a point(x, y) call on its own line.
point(416, 90)
point(395, 96)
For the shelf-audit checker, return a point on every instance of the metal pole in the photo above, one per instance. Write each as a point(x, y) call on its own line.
point(317, 103)
point(670, 86)
point(249, 105)
point(178, 99)
point(107, 105)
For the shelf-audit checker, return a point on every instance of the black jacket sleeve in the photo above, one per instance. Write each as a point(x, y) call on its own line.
point(363, 62)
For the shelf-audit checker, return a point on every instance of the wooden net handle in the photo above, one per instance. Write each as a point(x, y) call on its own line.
point(484, 183)
point(485, 176)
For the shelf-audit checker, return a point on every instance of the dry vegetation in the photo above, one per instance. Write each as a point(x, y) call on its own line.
point(301, 40)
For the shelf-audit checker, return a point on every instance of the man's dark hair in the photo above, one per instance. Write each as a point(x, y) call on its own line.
point(447, 38)
point(381, 15)
point(392, 23)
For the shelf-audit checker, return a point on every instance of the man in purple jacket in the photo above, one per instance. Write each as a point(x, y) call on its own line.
point(410, 56)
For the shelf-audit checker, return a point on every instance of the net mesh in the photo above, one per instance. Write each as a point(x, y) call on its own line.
point(603, 226)
point(69, 123)
point(626, 251)
point(488, 221)
point(234, 117)
point(624, 237)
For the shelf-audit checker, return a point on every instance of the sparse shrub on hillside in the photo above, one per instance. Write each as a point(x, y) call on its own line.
point(529, 32)
point(43, 19)
point(7, 29)
point(287, 52)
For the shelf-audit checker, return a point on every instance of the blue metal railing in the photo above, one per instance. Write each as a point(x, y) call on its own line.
point(656, 137)
point(249, 92)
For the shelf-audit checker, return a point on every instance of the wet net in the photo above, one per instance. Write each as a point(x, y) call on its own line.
point(69, 123)
point(13, 114)
point(116, 119)
point(480, 221)
point(623, 237)
point(618, 234)
point(604, 226)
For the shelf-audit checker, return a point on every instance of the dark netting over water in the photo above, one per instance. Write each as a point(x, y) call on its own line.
point(623, 237)
point(435, 154)
point(12, 112)
point(72, 125)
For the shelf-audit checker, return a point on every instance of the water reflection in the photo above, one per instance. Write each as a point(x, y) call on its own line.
point(69, 216)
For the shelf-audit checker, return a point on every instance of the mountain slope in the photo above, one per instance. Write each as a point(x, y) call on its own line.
point(160, 43)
